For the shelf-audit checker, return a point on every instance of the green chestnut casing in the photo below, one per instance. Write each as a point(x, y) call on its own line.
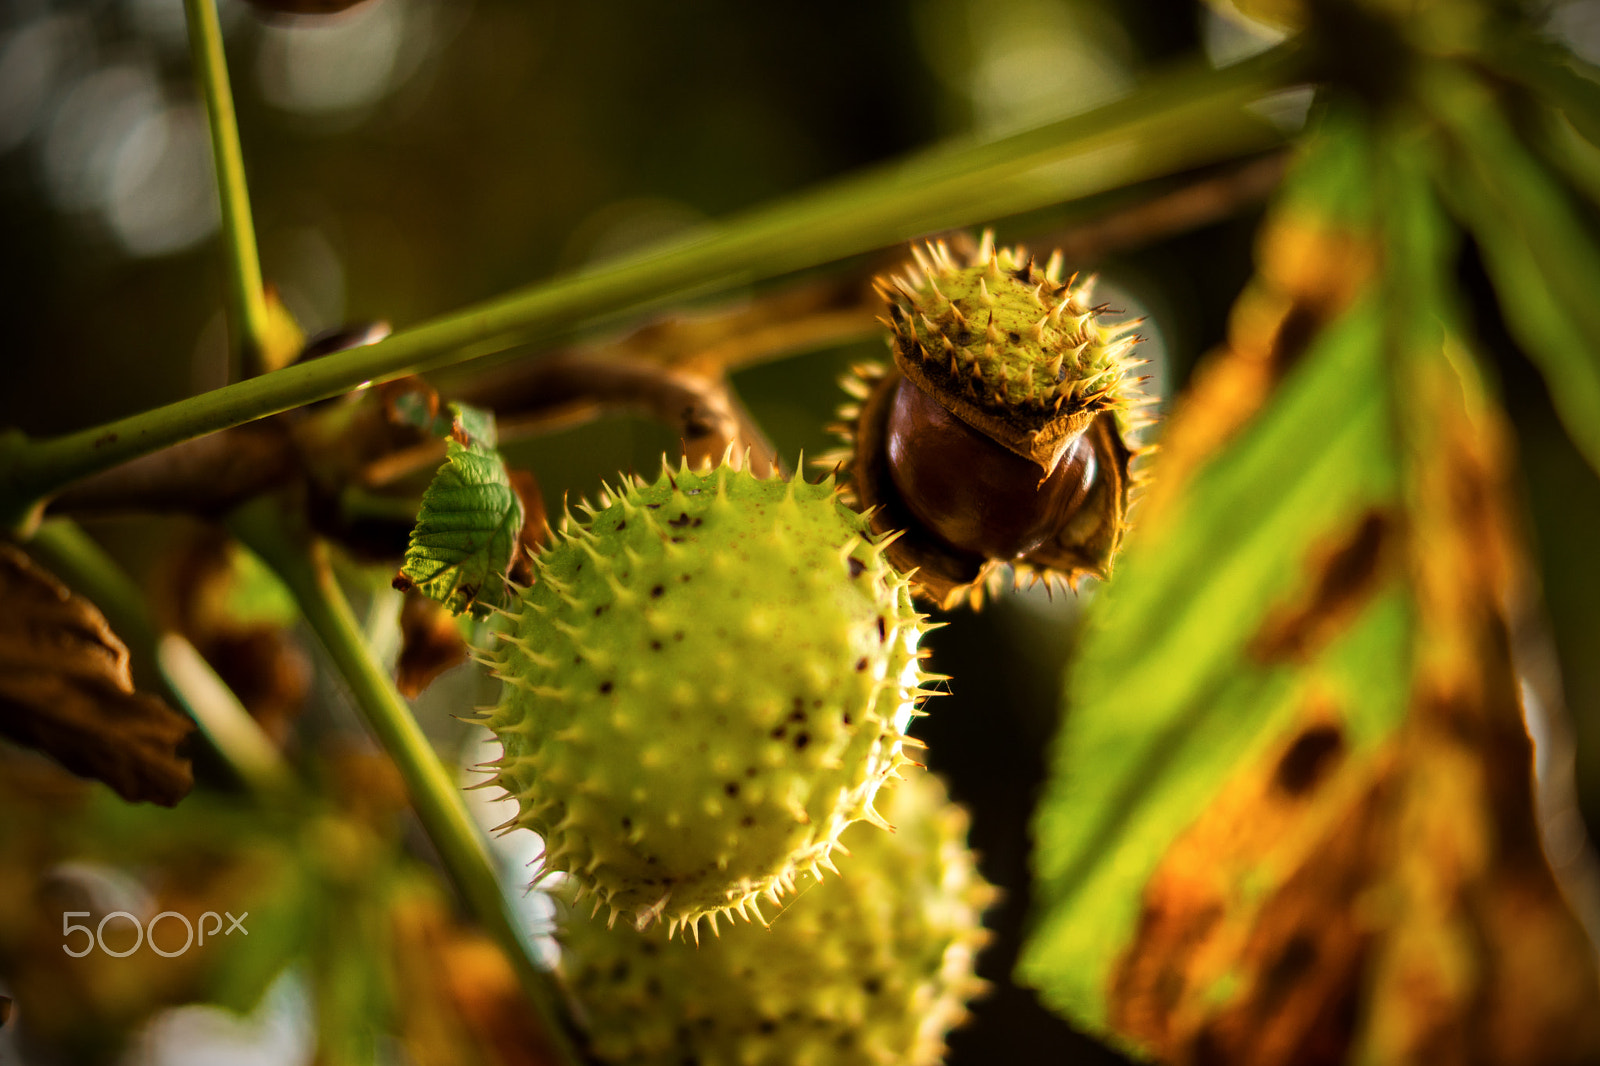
point(708, 680)
point(870, 968)
point(1002, 432)
point(1008, 348)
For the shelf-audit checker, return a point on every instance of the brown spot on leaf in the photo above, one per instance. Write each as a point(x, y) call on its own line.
point(1222, 973)
point(65, 690)
point(1343, 578)
point(1296, 330)
point(1292, 963)
point(1309, 759)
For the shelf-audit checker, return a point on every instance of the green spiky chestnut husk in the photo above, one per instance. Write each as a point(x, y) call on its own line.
point(869, 968)
point(1001, 434)
point(707, 681)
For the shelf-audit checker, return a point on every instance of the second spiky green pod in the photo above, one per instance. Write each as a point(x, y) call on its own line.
point(870, 968)
point(707, 682)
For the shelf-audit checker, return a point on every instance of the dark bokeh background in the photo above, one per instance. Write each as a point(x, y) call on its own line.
point(413, 156)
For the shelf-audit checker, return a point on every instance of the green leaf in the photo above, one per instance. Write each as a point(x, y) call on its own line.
point(1296, 700)
point(254, 595)
point(469, 424)
point(1164, 705)
point(472, 424)
point(466, 536)
point(416, 407)
point(1563, 79)
point(1540, 253)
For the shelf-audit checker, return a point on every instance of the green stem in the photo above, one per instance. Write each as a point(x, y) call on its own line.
point(304, 568)
point(247, 303)
point(1183, 120)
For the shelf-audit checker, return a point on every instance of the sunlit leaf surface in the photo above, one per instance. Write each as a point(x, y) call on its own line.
point(467, 532)
point(1290, 818)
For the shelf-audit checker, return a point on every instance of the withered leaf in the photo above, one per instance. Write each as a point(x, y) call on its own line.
point(462, 998)
point(238, 617)
point(430, 644)
point(65, 690)
point(535, 532)
point(1291, 819)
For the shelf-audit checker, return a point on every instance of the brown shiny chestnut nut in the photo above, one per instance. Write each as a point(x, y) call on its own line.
point(970, 492)
point(1000, 436)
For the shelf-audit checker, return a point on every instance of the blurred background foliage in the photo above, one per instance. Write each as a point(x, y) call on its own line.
point(412, 156)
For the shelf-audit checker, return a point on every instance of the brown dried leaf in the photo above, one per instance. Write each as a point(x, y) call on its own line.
point(535, 524)
point(430, 644)
point(65, 689)
point(260, 660)
point(463, 1002)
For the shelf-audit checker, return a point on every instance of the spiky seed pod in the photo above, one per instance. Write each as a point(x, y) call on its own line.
point(869, 968)
point(706, 683)
point(1001, 433)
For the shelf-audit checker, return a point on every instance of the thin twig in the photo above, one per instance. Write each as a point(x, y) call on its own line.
point(573, 388)
point(1199, 203)
point(247, 303)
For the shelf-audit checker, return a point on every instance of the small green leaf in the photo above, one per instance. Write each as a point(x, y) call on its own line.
point(466, 534)
point(254, 595)
point(416, 407)
point(1537, 248)
point(470, 425)
point(473, 423)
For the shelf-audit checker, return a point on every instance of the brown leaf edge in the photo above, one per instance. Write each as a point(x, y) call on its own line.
point(65, 690)
point(430, 644)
